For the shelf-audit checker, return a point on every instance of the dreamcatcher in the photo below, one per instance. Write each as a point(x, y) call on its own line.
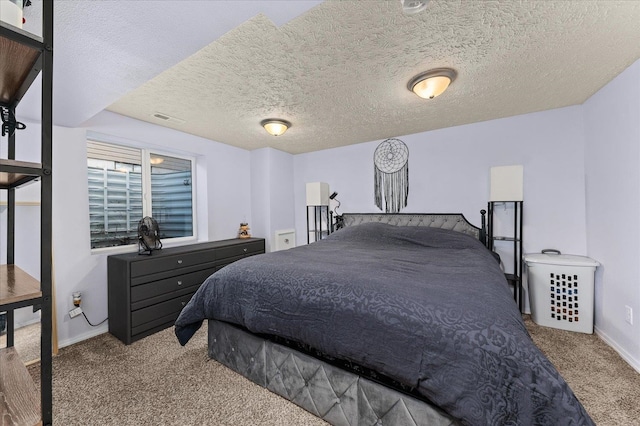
point(148, 236)
point(391, 175)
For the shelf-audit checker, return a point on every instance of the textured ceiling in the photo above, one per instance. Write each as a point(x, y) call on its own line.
point(104, 49)
point(338, 71)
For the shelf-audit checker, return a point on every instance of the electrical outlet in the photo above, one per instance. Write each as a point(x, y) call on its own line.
point(75, 312)
point(77, 298)
point(628, 316)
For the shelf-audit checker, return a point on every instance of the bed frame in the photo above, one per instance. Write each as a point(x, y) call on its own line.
point(452, 221)
point(341, 394)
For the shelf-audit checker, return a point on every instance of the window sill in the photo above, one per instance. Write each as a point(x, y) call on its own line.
point(133, 248)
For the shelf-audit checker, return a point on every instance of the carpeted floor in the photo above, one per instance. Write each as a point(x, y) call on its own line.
point(26, 341)
point(155, 381)
point(607, 386)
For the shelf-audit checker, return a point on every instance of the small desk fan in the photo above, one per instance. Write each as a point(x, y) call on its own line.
point(148, 236)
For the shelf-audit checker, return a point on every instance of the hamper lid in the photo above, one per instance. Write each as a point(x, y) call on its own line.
point(560, 259)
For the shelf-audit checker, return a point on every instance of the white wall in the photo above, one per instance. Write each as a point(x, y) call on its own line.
point(222, 180)
point(612, 146)
point(449, 172)
point(260, 191)
point(272, 203)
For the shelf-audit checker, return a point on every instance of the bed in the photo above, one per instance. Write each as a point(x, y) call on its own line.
point(398, 319)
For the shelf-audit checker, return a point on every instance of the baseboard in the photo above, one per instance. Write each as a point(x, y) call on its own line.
point(18, 325)
point(77, 339)
point(623, 353)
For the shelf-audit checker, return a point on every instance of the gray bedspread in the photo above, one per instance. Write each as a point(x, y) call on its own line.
point(427, 307)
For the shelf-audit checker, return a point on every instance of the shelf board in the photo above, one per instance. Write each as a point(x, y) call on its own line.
point(17, 286)
point(19, 63)
point(506, 239)
point(19, 397)
point(16, 173)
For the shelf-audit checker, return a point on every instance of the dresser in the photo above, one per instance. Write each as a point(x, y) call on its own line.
point(147, 293)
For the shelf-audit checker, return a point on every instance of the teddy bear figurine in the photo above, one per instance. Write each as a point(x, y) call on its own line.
point(243, 232)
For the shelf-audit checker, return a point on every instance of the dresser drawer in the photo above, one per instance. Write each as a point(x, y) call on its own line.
point(229, 260)
point(168, 263)
point(169, 285)
point(240, 250)
point(147, 279)
point(159, 310)
point(163, 297)
point(162, 322)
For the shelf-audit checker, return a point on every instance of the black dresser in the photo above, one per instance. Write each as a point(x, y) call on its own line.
point(146, 293)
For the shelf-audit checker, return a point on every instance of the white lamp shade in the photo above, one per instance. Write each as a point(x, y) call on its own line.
point(11, 12)
point(507, 183)
point(317, 194)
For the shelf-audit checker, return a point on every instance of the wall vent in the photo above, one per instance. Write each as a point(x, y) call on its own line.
point(167, 118)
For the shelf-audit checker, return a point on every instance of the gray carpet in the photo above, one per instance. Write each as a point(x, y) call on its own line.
point(26, 340)
point(607, 386)
point(156, 381)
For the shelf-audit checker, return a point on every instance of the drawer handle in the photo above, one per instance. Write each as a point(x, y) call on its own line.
point(179, 282)
point(245, 250)
point(179, 261)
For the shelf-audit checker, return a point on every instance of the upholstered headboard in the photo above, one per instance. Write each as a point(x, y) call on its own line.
point(452, 221)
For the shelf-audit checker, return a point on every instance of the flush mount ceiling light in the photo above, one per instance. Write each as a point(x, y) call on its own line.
point(275, 127)
point(413, 6)
point(432, 83)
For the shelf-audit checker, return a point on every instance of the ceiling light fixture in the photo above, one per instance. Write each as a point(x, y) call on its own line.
point(413, 6)
point(432, 83)
point(275, 127)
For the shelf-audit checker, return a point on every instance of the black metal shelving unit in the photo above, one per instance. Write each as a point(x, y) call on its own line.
point(515, 240)
point(319, 223)
point(23, 57)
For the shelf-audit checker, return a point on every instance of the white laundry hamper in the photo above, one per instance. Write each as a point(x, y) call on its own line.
point(561, 290)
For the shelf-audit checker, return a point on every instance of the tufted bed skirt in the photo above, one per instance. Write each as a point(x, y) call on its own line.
point(337, 396)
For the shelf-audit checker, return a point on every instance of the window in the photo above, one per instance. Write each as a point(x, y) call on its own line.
point(119, 177)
